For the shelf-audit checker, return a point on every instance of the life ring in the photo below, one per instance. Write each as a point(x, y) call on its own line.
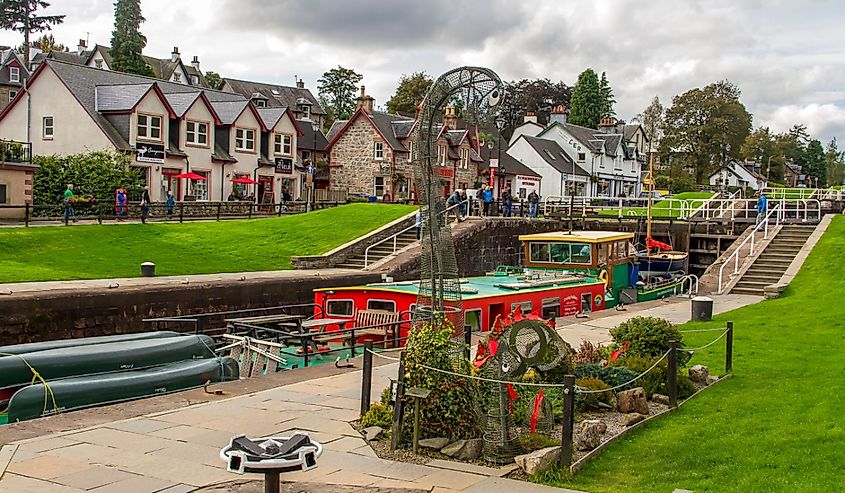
point(603, 277)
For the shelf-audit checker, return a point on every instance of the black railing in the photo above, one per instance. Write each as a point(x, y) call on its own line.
point(15, 152)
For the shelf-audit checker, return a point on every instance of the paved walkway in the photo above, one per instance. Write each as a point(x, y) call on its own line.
point(177, 451)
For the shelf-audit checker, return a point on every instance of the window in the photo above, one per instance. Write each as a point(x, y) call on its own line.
point(306, 111)
point(14, 74)
point(149, 127)
point(177, 77)
point(239, 189)
point(47, 127)
point(561, 253)
point(340, 308)
point(4, 196)
point(472, 320)
point(550, 154)
point(551, 308)
point(539, 252)
point(412, 149)
point(306, 156)
point(525, 307)
point(196, 133)
point(244, 139)
point(12, 95)
point(388, 306)
point(464, 158)
point(283, 144)
point(582, 156)
point(201, 186)
point(260, 103)
point(378, 151)
point(441, 155)
point(195, 79)
point(98, 63)
point(378, 186)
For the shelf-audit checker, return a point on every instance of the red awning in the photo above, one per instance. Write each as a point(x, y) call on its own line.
point(191, 176)
point(245, 179)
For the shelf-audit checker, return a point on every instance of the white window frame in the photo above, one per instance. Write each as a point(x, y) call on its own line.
point(464, 158)
point(283, 144)
point(306, 111)
point(177, 77)
point(390, 302)
point(14, 74)
point(244, 139)
point(47, 130)
point(98, 63)
point(195, 79)
point(201, 190)
point(260, 103)
point(330, 302)
point(12, 95)
point(196, 133)
point(149, 127)
point(441, 155)
point(378, 151)
point(376, 186)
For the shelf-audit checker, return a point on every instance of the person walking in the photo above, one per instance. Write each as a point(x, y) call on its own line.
point(145, 203)
point(171, 203)
point(67, 201)
point(762, 206)
point(464, 202)
point(479, 197)
point(418, 223)
point(454, 202)
point(488, 199)
point(120, 200)
point(507, 202)
point(533, 201)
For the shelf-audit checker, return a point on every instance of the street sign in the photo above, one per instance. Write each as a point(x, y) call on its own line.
point(310, 169)
point(494, 163)
point(648, 179)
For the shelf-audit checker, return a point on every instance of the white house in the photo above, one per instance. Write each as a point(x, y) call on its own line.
point(559, 174)
point(737, 174)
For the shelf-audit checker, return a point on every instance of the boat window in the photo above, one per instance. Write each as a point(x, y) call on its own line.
point(539, 252)
point(551, 308)
point(560, 253)
point(472, 320)
point(525, 305)
point(603, 248)
point(340, 308)
point(581, 253)
point(388, 306)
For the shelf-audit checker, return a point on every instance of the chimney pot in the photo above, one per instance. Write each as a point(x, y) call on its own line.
point(300, 84)
point(196, 63)
point(558, 114)
point(175, 55)
point(363, 91)
point(530, 117)
point(81, 46)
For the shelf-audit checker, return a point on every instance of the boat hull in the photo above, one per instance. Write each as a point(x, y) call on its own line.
point(662, 262)
point(114, 356)
point(93, 390)
point(34, 347)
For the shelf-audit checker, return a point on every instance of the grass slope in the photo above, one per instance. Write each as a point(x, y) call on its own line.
point(117, 250)
point(777, 425)
point(664, 208)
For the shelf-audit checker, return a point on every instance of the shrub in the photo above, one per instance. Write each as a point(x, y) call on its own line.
point(386, 396)
point(646, 336)
point(536, 441)
point(96, 174)
point(653, 382)
point(377, 415)
point(588, 353)
point(685, 386)
point(594, 400)
point(612, 375)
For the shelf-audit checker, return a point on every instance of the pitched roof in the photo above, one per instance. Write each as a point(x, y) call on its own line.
point(309, 137)
point(551, 152)
point(335, 129)
point(384, 122)
point(182, 101)
point(271, 116)
point(276, 95)
point(229, 111)
point(120, 97)
point(513, 166)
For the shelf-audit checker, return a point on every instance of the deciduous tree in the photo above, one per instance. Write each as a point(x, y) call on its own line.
point(410, 93)
point(127, 42)
point(21, 16)
point(213, 79)
point(337, 89)
point(538, 96)
point(835, 163)
point(652, 121)
point(587, 101)
point(816, 165)
point(47, 44)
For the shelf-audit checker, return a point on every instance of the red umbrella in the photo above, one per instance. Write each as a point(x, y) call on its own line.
point(246, 180)
point(191, 176)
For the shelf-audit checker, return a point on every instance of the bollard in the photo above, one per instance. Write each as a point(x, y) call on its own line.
point(148, 269)
point(395, 438)
point(568, 421)
point(367, 378)
point(672, 374)
point(729, 348)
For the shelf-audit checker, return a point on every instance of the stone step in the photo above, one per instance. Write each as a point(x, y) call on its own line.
point(752, 284)
point(768, 254)
point(754, 291)
point(764, 278)
point(765, 271)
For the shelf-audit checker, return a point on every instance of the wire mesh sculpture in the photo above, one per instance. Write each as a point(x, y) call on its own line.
point(478, 90)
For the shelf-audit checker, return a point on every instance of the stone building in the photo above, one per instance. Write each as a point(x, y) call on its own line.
point(13, 73)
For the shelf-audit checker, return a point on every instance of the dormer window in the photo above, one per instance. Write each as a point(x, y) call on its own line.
point(149, 127)
point(98, 63)
point(306, 111)
point(14, 74)
point(245, 139)
point(177, 77)
point(260, 103)
point(195, 79)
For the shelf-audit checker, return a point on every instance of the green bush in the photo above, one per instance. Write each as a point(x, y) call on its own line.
point(653, 382)
point(377, 415)
point(612, 375)
point(536, 441)
point(685, 386)
point(97, 174)
point(594, 401)
point(588, 353)
point(646, 336)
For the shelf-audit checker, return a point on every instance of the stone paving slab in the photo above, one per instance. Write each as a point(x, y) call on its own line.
point(46, 467)
point(15, 483)
point(94, 477)
point(136, 484)
point(490, 485)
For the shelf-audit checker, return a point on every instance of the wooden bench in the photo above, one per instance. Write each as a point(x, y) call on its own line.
point(365, 318)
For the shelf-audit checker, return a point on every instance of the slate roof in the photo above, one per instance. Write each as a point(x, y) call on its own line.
point(513, 166)
point(271, 116)
point(335, 129)
point(307, 139)
point(119, 97)
point(6, 57)
point(384, 122)
point(229, 111)
point(276, 95)
point(554, 155)
point(181, 101)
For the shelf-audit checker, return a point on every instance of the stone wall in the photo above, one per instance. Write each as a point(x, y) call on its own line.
point(353, 165)
point(73, 314)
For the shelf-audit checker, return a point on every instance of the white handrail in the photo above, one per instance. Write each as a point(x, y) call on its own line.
point(693, 283)
point(735, 255)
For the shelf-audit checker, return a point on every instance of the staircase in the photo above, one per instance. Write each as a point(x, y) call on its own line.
point(381, 251)
point(768, 268)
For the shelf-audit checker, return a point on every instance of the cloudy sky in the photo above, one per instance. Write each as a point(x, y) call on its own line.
point(786, 56)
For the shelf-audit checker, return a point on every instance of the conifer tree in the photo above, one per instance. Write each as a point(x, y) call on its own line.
point(19, 15)
point(127, 42)
point(607, 100)
point(587, 101)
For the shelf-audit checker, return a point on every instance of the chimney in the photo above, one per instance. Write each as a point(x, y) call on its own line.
point(81, 46)
point(558, 114)
point(366, 102)
point(530, 117)
point(196, 63)
point(450, 117)
point(300, 84)
point(607, 122)
point(174, 57)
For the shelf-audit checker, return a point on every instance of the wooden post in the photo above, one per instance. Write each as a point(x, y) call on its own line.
point(468, 342)
point(249, 211)
point(367, 378)
point(568, 421)
point(395, 438)
point(672, 374)
point(271, 482)
point(352, 342)
point(416, 425)
point(729, 348)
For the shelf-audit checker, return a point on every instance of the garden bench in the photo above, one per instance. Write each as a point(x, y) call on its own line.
point(366, 318)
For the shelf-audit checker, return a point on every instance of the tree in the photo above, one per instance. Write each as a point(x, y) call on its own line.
point(652, 121)
point(20, 15)
point(213, 79)
point(410, 93)
point(127, 42)
point(835, 163)
point(337, 89)
point(97, 174)
point(607, 99)
point(587, 101)
point(816, 165)
point(708, 126)
point(47, 44)
point(538, 96)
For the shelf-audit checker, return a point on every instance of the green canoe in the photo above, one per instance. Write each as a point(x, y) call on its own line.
point(94, 390)
point(34, 347)
point(99, 358)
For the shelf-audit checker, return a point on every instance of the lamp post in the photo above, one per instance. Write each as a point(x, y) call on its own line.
point(311, 168)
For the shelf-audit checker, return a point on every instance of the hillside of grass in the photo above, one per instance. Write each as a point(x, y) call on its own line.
point(777, 425)
point(664, 208)
point(117, 250)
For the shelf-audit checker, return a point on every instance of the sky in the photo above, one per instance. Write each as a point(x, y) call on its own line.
point(787, 57)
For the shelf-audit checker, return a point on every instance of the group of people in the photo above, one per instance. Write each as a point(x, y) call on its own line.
point(486, 206)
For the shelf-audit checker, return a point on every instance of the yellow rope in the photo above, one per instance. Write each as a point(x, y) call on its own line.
point(37, 376)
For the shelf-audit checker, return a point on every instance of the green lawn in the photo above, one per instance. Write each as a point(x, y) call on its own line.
point(664, 208)
point(117, 250)
point(777, 425)
point(789, 193)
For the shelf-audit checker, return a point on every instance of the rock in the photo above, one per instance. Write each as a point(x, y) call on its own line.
point(632, 401)
point(464, 449)
point(434, 443)
point(539, 460)
point(698, 373)
point(602, 426)
point(711, 379)
point(588, 435)
point(660, 399)
point(373, 433)
point(632, 419)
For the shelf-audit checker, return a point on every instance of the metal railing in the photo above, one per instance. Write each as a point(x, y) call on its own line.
point(764, 224)
point(12, 151)
point(693, 281)
point(804, 210)
point(674, 208)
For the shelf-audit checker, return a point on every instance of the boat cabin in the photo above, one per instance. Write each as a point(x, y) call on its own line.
point(581, 250)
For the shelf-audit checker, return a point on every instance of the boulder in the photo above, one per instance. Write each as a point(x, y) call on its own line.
point(588, 435)
point(373, 433)
point(632, 419)
point(632, 401)
point(464, 449)
point(539, 460)
point(434, 443)
point(660, 399)
point(698, 373)
point(711, 379)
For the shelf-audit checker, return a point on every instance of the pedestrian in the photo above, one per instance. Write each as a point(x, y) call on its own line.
point(464, 202)
point(145, 203)
point(479, 197)
point(170, 202)
point(120, 200)
point(507, 201)
point(418, 223)
point(67, 201)
point(762, 206)
point(533, 201)
point(488, 199)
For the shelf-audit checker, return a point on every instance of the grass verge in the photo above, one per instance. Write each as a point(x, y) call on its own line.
point(664, 208)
